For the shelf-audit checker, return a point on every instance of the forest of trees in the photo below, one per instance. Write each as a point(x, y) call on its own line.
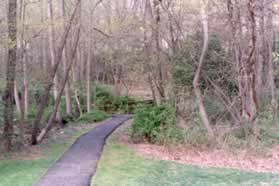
point(210, 64)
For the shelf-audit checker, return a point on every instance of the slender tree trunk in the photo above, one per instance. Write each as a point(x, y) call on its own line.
point(43, 39)
point(88, 77)
point(65, 60)
point(75, 79)
point(269, 45)
point(88, 68)
point(10, 75)
point(160, 66)
point(51, 36)
point(20, 98)
point(25, 88)
point(250, 70)
point(148, 16)
point(196, 81)
point(17, 101)
point(23, 56)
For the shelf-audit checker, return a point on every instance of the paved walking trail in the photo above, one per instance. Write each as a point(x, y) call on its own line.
point(77, 166)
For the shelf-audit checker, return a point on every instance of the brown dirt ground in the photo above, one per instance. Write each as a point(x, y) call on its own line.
point(244, 159)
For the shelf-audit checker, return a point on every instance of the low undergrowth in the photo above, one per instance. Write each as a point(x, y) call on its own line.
point(105, 100)
point(93, 116)
point(159, 124)
point(155, 124)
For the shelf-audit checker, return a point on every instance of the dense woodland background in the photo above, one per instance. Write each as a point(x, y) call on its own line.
point(202, 72)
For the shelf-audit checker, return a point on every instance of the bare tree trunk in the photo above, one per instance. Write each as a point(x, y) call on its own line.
point(17, 101)
point(11, 66)
point(25, 88)
point(148, 16)
point(269, 45)
point(250, 68)
point(153, 89)
point(65, 60)
point(67, 92)
point(75, 79)
point(23, 47)
point(76, 71)
point(88, 78)
point(159, 80)
point(247, 68)
point(196, 81)
point(51, 36)
point(88, 69)
point(43, 38)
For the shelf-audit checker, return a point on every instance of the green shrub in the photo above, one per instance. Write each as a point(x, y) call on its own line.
point(106, 101)
point(125, 104)
point(216, 65)
point(156, 124)
point(104, 98)
point(93, 116)
point(183, 75)
point(68, 119)
point(33, 109)
point(1, 113)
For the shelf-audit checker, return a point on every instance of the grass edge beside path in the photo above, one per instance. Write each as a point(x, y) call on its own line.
point(25, 170)
point(121, 166)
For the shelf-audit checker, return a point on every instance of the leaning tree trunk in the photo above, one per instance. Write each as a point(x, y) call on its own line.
point(11, 67)
point(52, 52)
point(63, 84)
point(49, 82)
point(196, 81)
point(65, 62)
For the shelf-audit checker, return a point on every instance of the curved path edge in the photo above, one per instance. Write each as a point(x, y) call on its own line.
point(79, 163)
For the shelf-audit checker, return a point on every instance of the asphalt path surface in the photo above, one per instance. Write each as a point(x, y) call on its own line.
point(79, 163)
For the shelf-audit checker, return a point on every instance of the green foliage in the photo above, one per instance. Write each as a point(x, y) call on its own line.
point(125, 104)
point(156, 124)
point(33, 112)
point(1, 102)
point(216, 66)
point(183, 75)
point(106, 101)
point(93, 116)
point(33, 109)
point(1, 112)
point(104, 98)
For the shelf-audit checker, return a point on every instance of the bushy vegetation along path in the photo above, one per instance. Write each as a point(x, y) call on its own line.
point(78, 164)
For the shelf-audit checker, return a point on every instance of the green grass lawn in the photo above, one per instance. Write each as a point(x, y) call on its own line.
point(26, 171)
point(120, 166)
